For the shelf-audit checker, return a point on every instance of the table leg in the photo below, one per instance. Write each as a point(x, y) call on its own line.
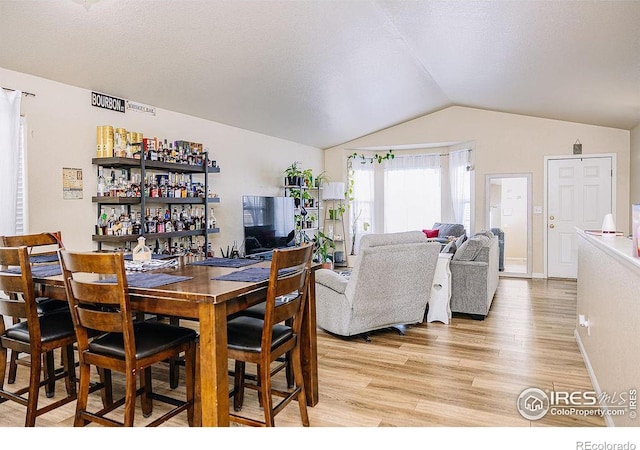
point(213, 376)
point(309, 345)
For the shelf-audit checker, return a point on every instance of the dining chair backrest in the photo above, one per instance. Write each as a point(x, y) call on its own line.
point(287, 291)
point(19, 288)
point(53, 239)
point(98, 296)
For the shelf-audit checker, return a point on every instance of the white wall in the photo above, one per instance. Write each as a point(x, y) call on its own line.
point(635, 165)
point(62, 133)
point(504, 143)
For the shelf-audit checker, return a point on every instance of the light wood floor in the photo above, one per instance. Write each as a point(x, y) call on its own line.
point(468, 373)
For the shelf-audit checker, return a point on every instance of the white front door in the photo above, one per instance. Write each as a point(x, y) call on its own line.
point(579, 194)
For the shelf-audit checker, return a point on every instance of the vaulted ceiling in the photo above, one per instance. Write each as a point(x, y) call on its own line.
point(323, 72)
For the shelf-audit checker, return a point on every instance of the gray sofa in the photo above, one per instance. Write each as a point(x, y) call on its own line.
point(389, 286)
point(474, 275)
point(448, 229)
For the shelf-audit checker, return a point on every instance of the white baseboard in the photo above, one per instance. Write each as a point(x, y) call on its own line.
point(607, 418)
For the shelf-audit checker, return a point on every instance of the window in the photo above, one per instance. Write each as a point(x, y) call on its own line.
point(21, 207)
point(363, 206)
point(460, 180)
point(412, 192)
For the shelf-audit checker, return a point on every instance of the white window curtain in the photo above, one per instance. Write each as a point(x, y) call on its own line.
point(10, 139)
point(363, 205)
point(411, 193)
point(460, 182)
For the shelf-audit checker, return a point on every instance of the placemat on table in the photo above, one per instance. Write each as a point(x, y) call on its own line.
point(252, 274)
point(48, 270)
point(129, 256)
point(225, 262)
point(149, 280)
point(43, 258)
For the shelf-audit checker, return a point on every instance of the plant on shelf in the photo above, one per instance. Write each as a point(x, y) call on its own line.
point(322, 244)
point(321, 178)
point(307, 177)
point(293, 174)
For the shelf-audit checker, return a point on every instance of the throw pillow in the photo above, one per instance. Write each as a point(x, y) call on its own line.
point(486, 233)
point(449, 248)
point(470, 249)
point(431, 233)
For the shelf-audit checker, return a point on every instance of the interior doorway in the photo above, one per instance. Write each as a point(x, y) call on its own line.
point(508, 207)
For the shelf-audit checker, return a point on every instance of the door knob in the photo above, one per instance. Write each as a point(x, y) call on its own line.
point(551, 217)
point(552, 226)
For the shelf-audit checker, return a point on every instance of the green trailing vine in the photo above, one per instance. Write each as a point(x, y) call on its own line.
point(348, 195)
point(364, 159)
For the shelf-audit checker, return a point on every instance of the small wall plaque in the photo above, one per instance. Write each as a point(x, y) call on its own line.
point(577, 148)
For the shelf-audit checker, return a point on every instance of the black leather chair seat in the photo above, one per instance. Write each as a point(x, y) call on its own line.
point(48, 305)
point(245, 333)
point(256, 311)
point(55, 325)
point(150, 338)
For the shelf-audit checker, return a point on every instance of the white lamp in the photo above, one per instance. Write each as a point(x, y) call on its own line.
point(608, 226)
point(333, 191)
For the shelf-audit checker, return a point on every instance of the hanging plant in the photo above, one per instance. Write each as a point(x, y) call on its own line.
point(348, 195)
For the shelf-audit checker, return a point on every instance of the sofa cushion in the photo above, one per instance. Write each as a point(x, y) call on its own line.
point(470, 249)
point(487, 233)
point(449, 229)
point(449, 248)
point(431, 233)
point(460, 241)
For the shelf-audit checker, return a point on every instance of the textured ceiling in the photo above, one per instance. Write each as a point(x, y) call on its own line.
point(324, 72)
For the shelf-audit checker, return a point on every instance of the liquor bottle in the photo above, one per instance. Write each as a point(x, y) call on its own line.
point(112, 185)
point(128, 152)
point(102, 224)
point(102, 186)
point(111, 222)
point(168, 224)
point(141, 252)
point(160, 227)
point(135, 227)
point(212, 220)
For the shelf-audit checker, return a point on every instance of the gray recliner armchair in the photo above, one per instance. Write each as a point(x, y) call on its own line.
point(389, 285)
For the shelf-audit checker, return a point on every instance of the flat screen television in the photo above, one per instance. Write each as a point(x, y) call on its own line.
point(269, 223)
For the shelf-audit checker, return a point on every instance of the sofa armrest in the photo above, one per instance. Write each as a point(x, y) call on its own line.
point(332, 280)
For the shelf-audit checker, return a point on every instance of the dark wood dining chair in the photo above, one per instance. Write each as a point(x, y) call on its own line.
point(97, 290)
point(262, 341)
point(35, 334)
point(41, 247)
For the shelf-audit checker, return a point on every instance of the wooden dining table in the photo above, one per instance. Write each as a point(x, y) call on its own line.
point(210, 302)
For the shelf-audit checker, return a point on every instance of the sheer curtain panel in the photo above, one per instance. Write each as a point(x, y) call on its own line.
point(9, 158)
point(363, 205)
point(412, 194)
point(460, 179)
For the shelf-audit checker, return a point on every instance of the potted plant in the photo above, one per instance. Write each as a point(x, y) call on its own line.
point(307, 177)
point(321, 178)
point(322, 245)
point(306, 199)
point(293, 174)
point(296, 194)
